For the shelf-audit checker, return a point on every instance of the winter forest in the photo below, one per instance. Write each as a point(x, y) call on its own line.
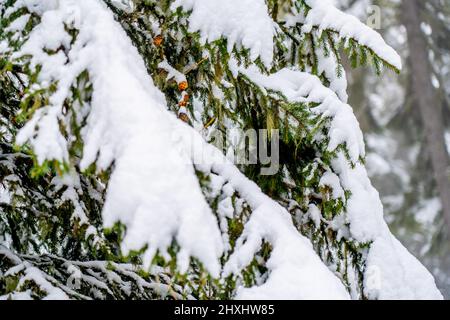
point(225, 149)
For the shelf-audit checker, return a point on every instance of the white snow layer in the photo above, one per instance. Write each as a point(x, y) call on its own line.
point(241, 22)
point(296, 272)
point(247, 23)
point(304, 87)
point(32, 274)
point(154, 190)
point(323, 15)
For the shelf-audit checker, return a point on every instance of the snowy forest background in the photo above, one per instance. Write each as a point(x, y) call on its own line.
point(399, 160)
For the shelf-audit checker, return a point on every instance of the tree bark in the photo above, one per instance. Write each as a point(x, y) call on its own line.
point(429, 105)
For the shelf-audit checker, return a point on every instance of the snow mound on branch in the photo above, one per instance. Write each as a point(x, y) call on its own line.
point(338, 81)
point(392, 272)
point(390, 266)
point(31, 274)
point(296, 271)
point(324, 15)
point(153, 189)
point(293, 262)
point(241, 22)
point(299, 86)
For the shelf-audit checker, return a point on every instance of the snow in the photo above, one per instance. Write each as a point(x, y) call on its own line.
point(3, 47)
point(125, 5)
point(364, 208)
point(426, 29)
point(32, 274)
point(296, 272)
point(154, 190)
point(35, 275)
point(364, 212)
point(331, 180)
point(303, 269)
point(327, 66)
point(377, 165)
point(100, 276)
point(242, 22)
point(172, 73)
point(435, 81)
point(400, 275)
point(428, 210)
point(324, 15)
point(18, 24)
point(71, 181)
point(5, 197)
point(315, 214)
point(26, 295)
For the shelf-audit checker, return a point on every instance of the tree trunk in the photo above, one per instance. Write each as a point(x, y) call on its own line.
point(429, 106)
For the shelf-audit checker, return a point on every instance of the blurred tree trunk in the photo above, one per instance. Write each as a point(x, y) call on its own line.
point(429, 105)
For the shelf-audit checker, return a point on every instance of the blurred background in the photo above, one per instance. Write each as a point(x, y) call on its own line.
point(406, 121)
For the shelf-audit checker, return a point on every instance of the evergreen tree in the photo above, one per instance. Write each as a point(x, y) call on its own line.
point(106, 194)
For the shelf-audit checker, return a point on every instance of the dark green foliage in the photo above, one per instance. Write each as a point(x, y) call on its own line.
point(41, 227)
